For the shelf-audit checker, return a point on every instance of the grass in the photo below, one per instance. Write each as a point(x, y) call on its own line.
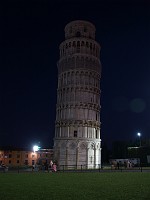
point(75, 186)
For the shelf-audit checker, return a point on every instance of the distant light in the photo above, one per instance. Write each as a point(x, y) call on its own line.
point(35, 148)
point(139, 134)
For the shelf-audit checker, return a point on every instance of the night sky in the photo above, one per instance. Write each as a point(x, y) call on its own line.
point(31, 32)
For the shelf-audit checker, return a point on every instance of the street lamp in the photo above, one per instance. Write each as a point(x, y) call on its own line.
point(35, 149)
point(139, 135)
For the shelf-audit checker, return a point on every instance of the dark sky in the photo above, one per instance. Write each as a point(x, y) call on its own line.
point(31, 32)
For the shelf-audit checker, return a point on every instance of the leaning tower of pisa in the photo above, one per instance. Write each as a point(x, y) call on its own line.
point(77, 128)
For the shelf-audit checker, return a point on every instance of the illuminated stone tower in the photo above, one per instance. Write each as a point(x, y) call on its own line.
point(77, 133)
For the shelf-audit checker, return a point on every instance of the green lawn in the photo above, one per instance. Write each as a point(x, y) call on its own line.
point(75, 186)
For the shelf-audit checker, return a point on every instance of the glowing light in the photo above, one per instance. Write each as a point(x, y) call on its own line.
point(139, 134)
point(35, 148)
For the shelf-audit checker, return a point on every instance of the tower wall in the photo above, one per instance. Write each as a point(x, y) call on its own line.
point(77, 134)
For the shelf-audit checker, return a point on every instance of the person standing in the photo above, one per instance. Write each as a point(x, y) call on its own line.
point(54, 167)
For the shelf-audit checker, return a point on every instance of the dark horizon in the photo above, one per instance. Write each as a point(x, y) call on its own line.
point(31, 34)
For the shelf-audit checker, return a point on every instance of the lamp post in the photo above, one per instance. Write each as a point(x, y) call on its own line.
point(139, 135)
point(35, 149)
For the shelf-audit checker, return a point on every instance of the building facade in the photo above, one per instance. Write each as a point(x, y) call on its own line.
point(77, 128)
point(24, 157)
